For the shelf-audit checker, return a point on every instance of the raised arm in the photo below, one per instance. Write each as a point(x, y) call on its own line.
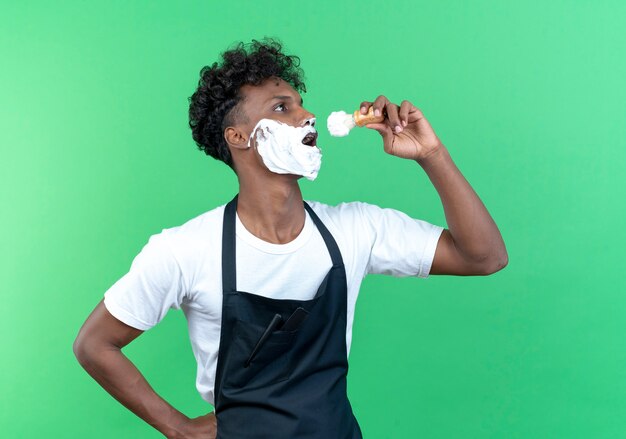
point(473, 244)
point(98, 348)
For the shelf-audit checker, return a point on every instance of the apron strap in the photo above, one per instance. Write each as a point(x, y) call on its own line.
point(229, 269)
point(331, 244)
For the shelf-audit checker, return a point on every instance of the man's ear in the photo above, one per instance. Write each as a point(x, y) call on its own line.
point(236, 138)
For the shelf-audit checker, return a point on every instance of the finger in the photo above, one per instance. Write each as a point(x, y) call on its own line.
point(365, 106)
point(405, 108)
point(393, 119)
point(379, 105)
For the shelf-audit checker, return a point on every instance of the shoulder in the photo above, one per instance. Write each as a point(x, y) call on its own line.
point(343, 210)
point(350, 213)
point(366, 219)
point(197, 226)
point(355, 220)
point(188, 242)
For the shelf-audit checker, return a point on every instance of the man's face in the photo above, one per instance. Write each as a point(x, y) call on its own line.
point(274, 99)
point(284, 140)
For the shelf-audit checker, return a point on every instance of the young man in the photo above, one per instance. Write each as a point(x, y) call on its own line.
point(268, 283)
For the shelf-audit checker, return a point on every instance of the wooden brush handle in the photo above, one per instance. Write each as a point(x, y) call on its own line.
point(363, 119)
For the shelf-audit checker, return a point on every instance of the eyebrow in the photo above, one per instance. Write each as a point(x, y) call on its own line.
point(286, 97)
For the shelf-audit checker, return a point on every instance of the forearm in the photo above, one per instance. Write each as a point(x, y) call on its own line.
point(475, 233)
point(120, 378)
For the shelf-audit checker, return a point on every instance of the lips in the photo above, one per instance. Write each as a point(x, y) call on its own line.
point(310, 139)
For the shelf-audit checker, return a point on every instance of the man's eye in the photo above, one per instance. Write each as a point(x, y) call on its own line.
point(281, 106)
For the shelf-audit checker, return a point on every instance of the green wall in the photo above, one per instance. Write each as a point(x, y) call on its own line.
point(528, 97)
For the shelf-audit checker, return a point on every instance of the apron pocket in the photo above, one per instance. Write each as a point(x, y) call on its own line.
point(270, 363)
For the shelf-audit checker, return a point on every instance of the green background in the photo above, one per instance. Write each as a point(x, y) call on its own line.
point(528, 97)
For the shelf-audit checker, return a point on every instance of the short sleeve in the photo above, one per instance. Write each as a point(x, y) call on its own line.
point(401, 245)
point(153, 285)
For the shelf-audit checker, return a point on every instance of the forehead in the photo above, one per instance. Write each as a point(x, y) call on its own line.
point(258, 94)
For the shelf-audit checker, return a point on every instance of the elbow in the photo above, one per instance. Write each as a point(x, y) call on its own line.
point(494, 265)
point(83, 351)
point(490, 263)
point(79, 351)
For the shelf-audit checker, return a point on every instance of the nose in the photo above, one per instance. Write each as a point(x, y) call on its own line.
point(305, 117)
point(309, 121)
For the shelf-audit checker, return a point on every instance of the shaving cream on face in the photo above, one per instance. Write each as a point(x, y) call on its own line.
point(281, 148)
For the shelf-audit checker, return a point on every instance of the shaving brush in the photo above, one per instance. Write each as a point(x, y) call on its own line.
point(340, 123)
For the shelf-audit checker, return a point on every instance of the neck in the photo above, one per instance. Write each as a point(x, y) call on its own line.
point(271, 209)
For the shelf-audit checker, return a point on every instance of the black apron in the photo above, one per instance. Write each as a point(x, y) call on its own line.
point(282, 364)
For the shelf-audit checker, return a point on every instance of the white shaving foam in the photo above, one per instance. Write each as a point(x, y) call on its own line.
point(281, 148)
point(340, 123)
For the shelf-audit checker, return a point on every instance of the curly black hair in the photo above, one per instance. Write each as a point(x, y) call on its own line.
point(213, 106)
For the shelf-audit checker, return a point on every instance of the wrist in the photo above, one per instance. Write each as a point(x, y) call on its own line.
point(434, 156)
point(175, 426)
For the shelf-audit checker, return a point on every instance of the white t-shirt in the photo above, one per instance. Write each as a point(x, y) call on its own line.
point(181, 268)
